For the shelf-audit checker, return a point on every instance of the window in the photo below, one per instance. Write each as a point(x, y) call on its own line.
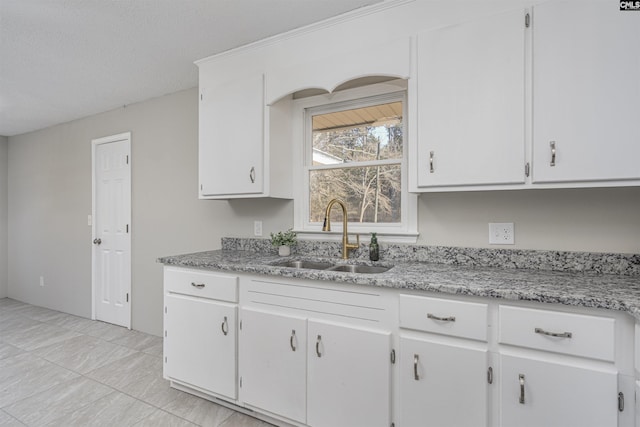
point(355, 150)
point(356, 156)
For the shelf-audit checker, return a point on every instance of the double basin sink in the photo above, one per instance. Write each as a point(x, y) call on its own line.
point(327, 266)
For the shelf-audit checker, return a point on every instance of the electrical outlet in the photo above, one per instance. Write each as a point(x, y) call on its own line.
point(501, 233)
point(257, 228)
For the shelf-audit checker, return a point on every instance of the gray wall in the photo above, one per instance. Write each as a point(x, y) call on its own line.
point(586, 219)
point(4, 144)
point(50, 198)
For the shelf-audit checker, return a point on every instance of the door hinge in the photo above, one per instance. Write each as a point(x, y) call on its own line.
point(240, 382)
point(490, 375)
point(621, 401)
point(165, 359)
point(393, 356)
point(127, 159)
point(201, 97)
point(527, 20)
point(393, 424)
point(240, 324)
point(127, 228)
point(165, 334)
point(127, 297)
point(165, 310)
point(527, 169)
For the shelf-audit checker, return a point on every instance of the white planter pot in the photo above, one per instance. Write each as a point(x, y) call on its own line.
point(284, 250)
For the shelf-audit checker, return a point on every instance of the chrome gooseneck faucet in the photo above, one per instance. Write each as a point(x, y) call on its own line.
point(345, 237)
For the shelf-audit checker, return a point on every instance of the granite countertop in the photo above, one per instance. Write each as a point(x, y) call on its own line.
point(586, 289)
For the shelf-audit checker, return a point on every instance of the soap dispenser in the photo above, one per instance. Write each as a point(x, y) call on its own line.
point(374, 250)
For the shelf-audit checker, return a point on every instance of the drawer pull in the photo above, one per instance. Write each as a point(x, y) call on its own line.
point(441, 319)
point(431, 168)
point(553, 334)
point(293, 337)
point(225, 325)
point(521, 378)
point(552, 144)
point(197, 285)
point(318, 346)
point(415, 367)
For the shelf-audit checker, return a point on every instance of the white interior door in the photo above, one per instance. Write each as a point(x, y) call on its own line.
point(111, 229)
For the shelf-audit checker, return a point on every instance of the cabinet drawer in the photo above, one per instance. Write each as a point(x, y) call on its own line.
point(443, 316)
point(568, 333)
point(204, 284)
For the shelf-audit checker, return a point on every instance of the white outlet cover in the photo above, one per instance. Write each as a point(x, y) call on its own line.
point(501, 233)
point(257, 228)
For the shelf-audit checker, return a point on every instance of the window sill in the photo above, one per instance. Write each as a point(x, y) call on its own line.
point(336, 236)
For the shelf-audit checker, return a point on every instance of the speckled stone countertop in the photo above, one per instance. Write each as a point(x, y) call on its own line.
point(548, 282)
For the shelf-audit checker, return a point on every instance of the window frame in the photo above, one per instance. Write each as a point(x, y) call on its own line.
point(396, 90)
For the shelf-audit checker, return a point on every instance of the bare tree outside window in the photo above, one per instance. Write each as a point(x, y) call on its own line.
point(357, 157)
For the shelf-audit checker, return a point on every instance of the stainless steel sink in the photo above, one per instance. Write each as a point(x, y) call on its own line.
point(329, 266)
point(365, 269)
point(312, 265)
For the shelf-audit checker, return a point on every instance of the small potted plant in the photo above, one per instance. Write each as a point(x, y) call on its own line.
point(283, 240)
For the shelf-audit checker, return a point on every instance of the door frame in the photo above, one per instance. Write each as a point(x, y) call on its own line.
point(126, 136)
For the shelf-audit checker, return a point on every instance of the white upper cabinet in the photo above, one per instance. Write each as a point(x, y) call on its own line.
point(243, 144)
point(391, 59)
point(471, 103)
point(231, 136)
point(586, 92)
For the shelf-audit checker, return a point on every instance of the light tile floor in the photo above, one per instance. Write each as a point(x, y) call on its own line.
point(62, 370)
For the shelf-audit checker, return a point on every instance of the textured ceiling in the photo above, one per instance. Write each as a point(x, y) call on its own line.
point(65, 59)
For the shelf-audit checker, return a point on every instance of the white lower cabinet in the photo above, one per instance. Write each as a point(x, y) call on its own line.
point(442, 384)
point(315, 372)
point(200, 318)
point(444, 371)
point(320, 354)
point(273, 359)
point(349, 376)
point(201, 343)
point(541, 393)
point(558, 368)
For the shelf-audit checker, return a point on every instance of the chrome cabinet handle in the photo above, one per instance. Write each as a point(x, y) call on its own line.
point(521, 378)
point(318, 346)
point(553, 152)
point(97, 241)
point(225, 326)
point(416, 358)
point(252, 174)
point(431, 169)
point(553, 334)
point(293, 336)
point(441, 319)
point(197, 285)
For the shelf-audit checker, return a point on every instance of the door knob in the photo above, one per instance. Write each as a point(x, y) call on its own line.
point(97, 241)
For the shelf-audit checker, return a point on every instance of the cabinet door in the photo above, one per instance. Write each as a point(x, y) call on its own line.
point(539, 393)
point(231, 137)
point(200, 343)
point(471, 103)
point(273, 350)
point(586, 92)
point(437, 380)
point(349, 376)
